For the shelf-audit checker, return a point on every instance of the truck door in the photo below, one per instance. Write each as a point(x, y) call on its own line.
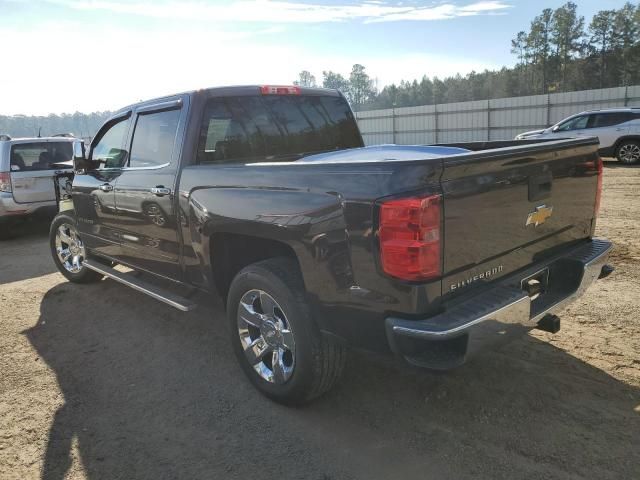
point(145, 191)
point(93, 190)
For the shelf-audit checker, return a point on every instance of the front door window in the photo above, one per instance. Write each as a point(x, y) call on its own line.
point(576, 123)
point(109, 150)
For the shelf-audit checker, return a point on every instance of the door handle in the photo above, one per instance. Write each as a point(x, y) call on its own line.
point(160, 191)
point(106, 187)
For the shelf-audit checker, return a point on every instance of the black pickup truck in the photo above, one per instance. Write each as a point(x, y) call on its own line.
point(268, 196)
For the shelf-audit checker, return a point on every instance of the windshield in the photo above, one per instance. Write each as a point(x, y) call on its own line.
point(275, 127)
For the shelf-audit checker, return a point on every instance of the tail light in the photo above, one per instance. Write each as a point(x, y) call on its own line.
point(409, 237)
point(5, 182)
point(280, 90)
point(599, 187)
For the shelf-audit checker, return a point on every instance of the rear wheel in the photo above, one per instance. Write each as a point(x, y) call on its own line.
point(628, 152)
point(68, 250)
point(278, 345)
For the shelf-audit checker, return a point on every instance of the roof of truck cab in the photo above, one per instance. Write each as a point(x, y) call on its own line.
point(237, 90)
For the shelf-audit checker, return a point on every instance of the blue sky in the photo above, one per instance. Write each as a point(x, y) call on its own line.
point(87, 55)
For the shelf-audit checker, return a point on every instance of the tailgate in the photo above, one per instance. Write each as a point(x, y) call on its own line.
point(34, 186)
point(33, 164)
point(505, 209)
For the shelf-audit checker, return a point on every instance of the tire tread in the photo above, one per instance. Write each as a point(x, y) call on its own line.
point(622, 144)
point(328, 353)
point(85, 275)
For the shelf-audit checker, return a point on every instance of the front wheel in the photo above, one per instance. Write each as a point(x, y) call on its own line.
point(278, 345)
point(628, 152)
point(68, 251)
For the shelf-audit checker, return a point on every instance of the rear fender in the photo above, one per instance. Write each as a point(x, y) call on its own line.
point(311, 223)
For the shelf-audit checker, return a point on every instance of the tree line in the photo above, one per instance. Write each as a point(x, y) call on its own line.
point(559, 52)
point(80, 124)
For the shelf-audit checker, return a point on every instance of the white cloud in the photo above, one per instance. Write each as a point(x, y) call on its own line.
point(67, 66)
point(279, 11)
point(110, 68)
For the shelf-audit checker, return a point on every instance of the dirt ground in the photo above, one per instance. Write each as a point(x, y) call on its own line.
point(101, 382)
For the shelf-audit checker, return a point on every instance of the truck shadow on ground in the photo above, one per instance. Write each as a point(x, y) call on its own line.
point(154, 393)
point(21, 253)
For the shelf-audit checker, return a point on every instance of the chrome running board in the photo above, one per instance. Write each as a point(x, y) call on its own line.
point(176, 301)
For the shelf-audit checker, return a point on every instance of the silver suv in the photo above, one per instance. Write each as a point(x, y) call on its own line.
point(27, 167)
point(618, 130)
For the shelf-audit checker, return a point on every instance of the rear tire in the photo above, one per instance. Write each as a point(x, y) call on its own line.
point(68, 250)
point(292, 362)
point(628, 152)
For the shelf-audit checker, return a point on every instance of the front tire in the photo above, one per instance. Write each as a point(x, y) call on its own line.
point(276, 341)
point(68, 251)
point(628, 152)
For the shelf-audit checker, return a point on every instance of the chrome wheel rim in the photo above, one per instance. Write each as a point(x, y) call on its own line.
point(630, 153)
point(69, 248)
point(266, 336)
point(156, 216)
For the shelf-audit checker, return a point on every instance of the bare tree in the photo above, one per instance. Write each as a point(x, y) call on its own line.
point(305, 79)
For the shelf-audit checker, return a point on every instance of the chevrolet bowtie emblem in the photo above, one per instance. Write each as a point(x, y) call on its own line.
point(539, 216)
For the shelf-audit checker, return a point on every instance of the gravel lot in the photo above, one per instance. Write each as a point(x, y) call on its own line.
point(100, 381)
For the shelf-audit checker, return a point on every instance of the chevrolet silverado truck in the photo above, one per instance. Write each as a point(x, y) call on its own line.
point(268, 196)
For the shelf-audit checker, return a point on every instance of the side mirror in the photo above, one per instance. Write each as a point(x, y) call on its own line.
point(80, 163)
point(555, 128)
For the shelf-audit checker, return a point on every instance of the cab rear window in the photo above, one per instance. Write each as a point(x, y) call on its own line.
point(39, 155)
point(275, 127)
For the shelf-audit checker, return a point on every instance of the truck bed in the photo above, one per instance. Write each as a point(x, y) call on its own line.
point(328, 212)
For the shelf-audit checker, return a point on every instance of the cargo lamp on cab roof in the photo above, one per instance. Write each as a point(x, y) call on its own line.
point(280, 90)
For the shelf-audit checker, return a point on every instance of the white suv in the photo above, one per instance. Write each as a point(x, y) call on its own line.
point(618, 130)
point(27, 167)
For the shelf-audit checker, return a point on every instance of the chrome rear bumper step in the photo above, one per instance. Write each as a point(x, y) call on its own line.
point(503, 311)
point(176, 301)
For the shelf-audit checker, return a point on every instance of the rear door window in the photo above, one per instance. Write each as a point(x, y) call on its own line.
point(39, 155)
point(278, 127)
point(601, 120)
point(154, 138)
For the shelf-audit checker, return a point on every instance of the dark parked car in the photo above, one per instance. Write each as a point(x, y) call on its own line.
point(268, 195)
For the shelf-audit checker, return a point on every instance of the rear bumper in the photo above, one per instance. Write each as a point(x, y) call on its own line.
point(10, 209)
point(466, 326)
